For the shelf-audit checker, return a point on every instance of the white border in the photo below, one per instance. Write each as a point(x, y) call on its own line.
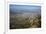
point(7, 30)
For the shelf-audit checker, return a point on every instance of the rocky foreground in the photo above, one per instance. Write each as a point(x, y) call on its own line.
point(26, 20)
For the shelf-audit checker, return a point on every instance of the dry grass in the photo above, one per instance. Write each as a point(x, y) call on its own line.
point(19, 22)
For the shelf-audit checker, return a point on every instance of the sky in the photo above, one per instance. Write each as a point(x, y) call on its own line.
point(25, 8)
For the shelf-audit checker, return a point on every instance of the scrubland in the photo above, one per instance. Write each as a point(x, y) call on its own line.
point(23, 21)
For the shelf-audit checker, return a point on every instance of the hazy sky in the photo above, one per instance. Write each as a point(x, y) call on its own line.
point(29, 8)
